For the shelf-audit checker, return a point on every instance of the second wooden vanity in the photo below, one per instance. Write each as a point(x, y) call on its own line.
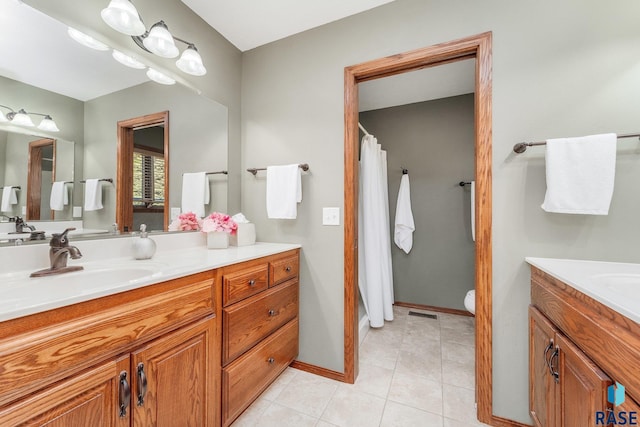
point(191, 351)
point(578, 348)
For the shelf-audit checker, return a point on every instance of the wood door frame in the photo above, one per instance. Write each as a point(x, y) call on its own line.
point(478, 47)
point(34, 176)
point(124, 183)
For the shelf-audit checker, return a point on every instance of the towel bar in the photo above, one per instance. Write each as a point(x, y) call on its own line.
point(521, 147)
point(254, 171)
point(101, 179)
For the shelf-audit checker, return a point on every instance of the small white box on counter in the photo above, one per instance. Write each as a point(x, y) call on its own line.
point(245, 235)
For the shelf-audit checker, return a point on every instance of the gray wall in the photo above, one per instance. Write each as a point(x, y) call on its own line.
point(3, 154)
point(197, 140)
point(435, 141)
point(559, 69)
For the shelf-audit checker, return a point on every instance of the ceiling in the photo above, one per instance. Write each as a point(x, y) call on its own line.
point(252, 23)
point(36, 49)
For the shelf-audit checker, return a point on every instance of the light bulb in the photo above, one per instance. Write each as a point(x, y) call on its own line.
point(160, 41)
point(158, 77)
point(86, 40)
point(191, 62)
point(127, 60)
point(122, 16)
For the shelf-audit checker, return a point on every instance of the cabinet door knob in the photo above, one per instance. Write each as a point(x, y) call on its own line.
point(272, 312)
point(142, 384)
point(271, 360)
point(124, 395)
point(252, 282)
point(288, 268)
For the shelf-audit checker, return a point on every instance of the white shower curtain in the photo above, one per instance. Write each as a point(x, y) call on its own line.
point(375, 277)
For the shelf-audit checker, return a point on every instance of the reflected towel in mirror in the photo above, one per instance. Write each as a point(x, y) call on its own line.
point(92, 195)
point(59, 196)
point(9, 197)
point(195, 193)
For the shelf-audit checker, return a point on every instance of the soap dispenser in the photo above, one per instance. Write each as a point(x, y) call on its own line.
point(143, 247)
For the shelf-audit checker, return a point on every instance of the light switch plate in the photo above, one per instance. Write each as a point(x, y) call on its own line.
point(330, 216)
point(24, 210)
point(175, 212)
point(77, 211)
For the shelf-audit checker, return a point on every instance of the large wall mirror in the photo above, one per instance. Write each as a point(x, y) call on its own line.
point(41, 72)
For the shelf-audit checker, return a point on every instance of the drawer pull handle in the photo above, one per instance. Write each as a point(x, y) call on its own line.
point(271, 360)
point(252, 282)
point(124, 395)
point(142, 384)
point(272, 313)
point(288, 268)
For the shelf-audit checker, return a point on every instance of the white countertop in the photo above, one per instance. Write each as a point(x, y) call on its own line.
point(614, 284)
point(21, 295)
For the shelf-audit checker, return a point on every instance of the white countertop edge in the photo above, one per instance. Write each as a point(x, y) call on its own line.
point(205, 259)
point(580, 274)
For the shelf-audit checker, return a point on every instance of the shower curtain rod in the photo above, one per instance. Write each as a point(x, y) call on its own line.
point(363, 129)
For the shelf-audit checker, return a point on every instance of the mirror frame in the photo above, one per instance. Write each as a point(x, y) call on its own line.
point(124, 187)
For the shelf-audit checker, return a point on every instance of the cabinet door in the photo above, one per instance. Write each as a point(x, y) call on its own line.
point(87, 399)
point(582, 386)
point(541, 380)
point(173, 379)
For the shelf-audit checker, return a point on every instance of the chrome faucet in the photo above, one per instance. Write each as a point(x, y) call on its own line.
point(21, 225)
point(59, 253)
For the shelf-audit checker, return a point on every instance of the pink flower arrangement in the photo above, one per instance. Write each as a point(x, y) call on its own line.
point(186, 222)
point(219, 222)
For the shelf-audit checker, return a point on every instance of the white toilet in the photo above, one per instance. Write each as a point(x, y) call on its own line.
point(470, 301)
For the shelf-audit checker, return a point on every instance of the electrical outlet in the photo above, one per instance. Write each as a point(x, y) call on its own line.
point(330, 216)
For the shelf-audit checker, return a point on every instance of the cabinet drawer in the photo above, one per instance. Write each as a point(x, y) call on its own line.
point(242, 284)
point(249, 375)
point(283, 269)
point(249, 321)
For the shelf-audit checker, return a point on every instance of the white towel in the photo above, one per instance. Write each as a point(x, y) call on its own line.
point(59, 196)
point(404, 226)
point(580, 174)
point(92, 195)
point(195, 193)
point(9, 197)
point(473, 211)
point(284, 191)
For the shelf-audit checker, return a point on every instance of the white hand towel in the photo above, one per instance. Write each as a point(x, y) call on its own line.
point(404, 226)
point(195, 193)
point(284, 191)
point(473, 211)
point(9, 197)
point(92, 195)
point(59, 196)
point(580, 174)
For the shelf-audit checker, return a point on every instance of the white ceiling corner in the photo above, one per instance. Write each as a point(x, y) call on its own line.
point(251, 23)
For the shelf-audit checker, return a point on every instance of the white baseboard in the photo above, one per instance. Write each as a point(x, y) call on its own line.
point(363, 328)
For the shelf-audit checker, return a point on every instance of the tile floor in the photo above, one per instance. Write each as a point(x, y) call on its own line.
point(414, 372)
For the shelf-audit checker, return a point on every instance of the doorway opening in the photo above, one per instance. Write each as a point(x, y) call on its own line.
point(142, 190)
point(40, 177)
point(476, 47)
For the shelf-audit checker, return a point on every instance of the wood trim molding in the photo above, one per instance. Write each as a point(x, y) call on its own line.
point(478, 47)
point(33, 191)
point(434, 308)
point(124, 175)
point(313, 369)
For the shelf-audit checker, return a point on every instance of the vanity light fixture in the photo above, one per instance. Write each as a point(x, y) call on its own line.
point(122, 16)
point(21, 118)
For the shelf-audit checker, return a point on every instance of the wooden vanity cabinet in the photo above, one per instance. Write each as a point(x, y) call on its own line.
point(140, 358)
point(570, 362)
point(259, 328)
point(566, 388)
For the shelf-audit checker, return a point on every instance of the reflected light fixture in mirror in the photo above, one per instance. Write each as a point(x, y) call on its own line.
point(122, 16)
point(21, 118)
point(127, 60)
point(158, 77)
point(86, 40)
